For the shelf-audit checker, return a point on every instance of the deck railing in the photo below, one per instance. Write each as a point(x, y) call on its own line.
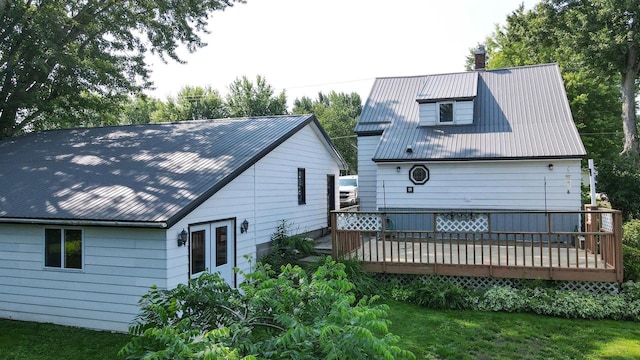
point(561, 245)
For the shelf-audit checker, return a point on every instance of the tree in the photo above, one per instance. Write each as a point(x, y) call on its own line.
point(192, 103)
point(140, 109)
point(338, 114)
point(63, 58)
point(531, 37)
point(607, 33)
point(248, 99)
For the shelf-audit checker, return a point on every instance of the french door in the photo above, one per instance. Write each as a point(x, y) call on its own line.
point(212, 249)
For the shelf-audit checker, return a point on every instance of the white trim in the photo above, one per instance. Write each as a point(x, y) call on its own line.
point(453, 112)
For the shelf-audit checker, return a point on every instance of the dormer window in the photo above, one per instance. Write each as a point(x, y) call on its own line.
point(448, 99)
point(445, 114)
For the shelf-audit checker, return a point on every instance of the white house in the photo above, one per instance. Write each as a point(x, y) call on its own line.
point(91, 218)
point(477, 140)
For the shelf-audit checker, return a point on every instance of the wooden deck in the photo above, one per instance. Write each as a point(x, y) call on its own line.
point(558, 255)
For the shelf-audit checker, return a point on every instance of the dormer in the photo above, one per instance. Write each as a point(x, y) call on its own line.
point(448, 99)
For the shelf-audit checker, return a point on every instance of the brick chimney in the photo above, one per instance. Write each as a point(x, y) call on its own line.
point(480, 57)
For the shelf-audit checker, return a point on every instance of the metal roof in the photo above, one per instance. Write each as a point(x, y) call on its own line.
point(519, 113)
point(137, 173)
point(449, 86)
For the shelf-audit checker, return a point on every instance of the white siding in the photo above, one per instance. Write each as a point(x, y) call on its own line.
point(119, 266)
point(463, 111)
point(484, 185)
point(428, 115)
point(367, 171)
point(265, 194)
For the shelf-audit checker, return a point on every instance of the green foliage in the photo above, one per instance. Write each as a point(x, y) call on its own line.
point(501, 298)
point(289, 315)
point(619, 179)
point(192, 103)
point(286, 248)
point(631, 233)
point(248, 99)
point(63, 63)
point(631, 262)
point(536, 37)
point(437, 294)
point(338, 114)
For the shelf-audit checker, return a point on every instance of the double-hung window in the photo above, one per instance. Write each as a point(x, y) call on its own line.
point(63, 248)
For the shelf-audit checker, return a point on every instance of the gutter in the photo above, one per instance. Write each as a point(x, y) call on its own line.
point(140, 224)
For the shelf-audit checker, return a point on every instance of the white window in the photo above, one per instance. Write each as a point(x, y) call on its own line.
point(419, 174)
point(63, 248)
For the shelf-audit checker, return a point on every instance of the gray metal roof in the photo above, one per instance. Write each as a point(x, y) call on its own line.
point(449, 86)
point(138, 173)
point(519, 113)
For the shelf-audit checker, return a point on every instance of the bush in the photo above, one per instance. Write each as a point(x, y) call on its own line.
point(631, 263)
point(631, 233)
point(291, 315)
point(502, 298)
point(618, 177)
point(286, 248)
point(438, 294)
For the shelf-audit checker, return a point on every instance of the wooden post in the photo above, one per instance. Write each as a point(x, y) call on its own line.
point(617, 238)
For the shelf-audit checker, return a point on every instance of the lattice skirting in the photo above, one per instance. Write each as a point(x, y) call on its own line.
point(476, 283)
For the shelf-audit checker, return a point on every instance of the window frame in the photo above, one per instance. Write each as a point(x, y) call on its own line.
point(453, 112)
point(63, 261)
point(416, 181)
point(302, 186)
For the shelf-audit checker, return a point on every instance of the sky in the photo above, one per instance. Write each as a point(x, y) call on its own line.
point(307, 46)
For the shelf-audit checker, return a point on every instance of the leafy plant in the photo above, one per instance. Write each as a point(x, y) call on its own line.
point(288, 315)
point(286, 248)
point(438, 294)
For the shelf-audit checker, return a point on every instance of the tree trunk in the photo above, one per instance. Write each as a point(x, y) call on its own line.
point(629, 125)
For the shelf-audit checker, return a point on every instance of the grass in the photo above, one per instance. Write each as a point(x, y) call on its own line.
point(430, 334)
point(434, 334)
point(35, 341)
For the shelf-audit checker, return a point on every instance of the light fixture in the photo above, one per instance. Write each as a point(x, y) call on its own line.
point(398, 169)
point(183, 237)
point(244, 227)
point(550, 166)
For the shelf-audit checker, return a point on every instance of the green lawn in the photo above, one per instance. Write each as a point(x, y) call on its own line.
point(34, 341)
point(429, 334)
point(481, 335)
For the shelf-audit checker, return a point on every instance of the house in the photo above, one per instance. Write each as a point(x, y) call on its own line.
point(470, 141)
point(91, 218)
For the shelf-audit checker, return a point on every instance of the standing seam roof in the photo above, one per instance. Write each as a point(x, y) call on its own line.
point(518, 113)
point(137, 173)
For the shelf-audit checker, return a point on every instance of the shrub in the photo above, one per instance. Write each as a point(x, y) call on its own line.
point(631, 233)
point(291, 315)
point(286, 248)
point(502, 298)
point(618, 177)
point(438, 294)
point(631, 263)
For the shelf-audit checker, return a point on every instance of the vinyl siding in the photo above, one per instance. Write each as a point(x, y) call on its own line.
point(498, 185)
point(265, 194)
point(367, 172)
point(119, 266)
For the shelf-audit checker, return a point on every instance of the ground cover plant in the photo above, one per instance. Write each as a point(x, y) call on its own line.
point(464, 334)
point(20, 340)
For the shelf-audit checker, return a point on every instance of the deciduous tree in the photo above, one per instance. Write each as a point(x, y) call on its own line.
point(62, 58)
point(248, 99)
point(338, 114)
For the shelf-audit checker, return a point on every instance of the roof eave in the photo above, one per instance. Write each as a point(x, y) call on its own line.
point(84, 222)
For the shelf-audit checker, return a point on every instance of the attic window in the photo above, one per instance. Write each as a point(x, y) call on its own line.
point(445, 113)
point(419, 174)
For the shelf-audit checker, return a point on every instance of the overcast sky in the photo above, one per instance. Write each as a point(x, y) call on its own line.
point(307, 46)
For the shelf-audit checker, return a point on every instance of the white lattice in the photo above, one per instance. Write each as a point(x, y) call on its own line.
point(607, 222)
point(462, 222)
point(476, 283)
point(359, 221)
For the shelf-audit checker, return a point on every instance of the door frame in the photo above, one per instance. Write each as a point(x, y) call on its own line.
point(331, 197)
point(209, 227)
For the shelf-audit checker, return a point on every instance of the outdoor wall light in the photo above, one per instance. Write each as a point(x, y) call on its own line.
point(398, 169)
point(244, 227)
point(183, 237)
point(550, 166)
